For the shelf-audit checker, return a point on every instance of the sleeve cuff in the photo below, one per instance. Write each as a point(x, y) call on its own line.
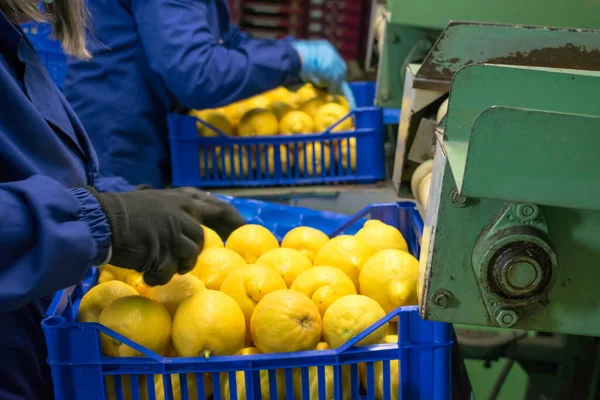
point(91, 213)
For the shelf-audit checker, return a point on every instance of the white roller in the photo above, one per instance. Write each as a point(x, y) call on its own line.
point(442, 111)
point(420, 173)
point(424, 190)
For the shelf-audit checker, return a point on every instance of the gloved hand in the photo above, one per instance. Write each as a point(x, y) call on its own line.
point(158, 232)
point(321, 64)
point(347, 93)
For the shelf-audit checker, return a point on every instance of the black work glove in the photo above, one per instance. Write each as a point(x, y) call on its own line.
point(158, 232)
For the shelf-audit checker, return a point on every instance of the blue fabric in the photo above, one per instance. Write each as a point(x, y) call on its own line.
point(51, 232)
point(150, 55)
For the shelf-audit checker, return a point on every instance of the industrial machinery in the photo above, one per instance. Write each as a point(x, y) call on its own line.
point(413, 27)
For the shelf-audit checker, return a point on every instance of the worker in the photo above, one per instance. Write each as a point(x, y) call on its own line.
point(150, 56)
point(57, 217)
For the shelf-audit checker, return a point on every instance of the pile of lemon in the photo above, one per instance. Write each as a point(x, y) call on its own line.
point(278, 112)
point(254, 295)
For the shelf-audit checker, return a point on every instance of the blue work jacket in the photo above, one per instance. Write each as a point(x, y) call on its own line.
point(151, 55)
point(51, 229)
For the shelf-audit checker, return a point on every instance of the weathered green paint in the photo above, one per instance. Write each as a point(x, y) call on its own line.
point(437, 13)
point(529, 131)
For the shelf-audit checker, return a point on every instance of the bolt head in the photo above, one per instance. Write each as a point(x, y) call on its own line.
point(506, 317)
point(442, 298)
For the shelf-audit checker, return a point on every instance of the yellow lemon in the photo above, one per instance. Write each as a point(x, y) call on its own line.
point(159, 388)
point(283, 157)
point(214, 264)
point(207, 161)
point(179, 288)
point(106, 276)
point(317, 158)
point(288, 263)
point(120, 274)
point(248, 285)
point(280, 93)
point(350, 315)
point(240, 381)
point(378, 374)
point(132, 316)
point(211, 239)
point(342, 101)
point(390, 278)
point(345, 153)
point(346, 253)
point(216, 118)
point(240, 158)
point(136, 281)
point(258, 122)
point(296, 123)
point(258, 101)
point(380, 236)
point(280, 109)
point(306, 240)
point(323, 285)
point(284, 321)
point(312, 106)
point(251, 241)
point(209, 323)
point(100, 296)
point(330, 113)
point(307, 92)
point(235, 112)
point(313, 382)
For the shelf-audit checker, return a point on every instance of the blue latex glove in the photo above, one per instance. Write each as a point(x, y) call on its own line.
point(347, 93)
point(321, 64)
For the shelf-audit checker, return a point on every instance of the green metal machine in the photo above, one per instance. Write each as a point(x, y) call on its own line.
point(413, 27)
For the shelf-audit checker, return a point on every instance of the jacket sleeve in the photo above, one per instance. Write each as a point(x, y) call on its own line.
point(114, 184)
point(199, 70)
point(49, 237)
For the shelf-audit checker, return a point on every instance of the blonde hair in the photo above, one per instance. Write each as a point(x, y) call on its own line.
point(68, 19)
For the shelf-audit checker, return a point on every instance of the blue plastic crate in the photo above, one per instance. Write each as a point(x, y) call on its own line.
point(423, 349)
point(256, 161)
point(48, 49)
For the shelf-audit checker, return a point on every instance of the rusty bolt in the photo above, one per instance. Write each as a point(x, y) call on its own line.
point(442, 298)
point(526, 212)
point(506, 317)
point(457, 199)
point(385, 94)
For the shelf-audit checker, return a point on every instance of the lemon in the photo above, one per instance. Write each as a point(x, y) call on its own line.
point(100, 296)
point(159, 388)
point(216, 118)
point(345, 153)
point(280, 93)
point(258, 122)
point(296, 122)
point(120, 274)
point(211, 239)
point(330, 113)
point(240, 158)
point(306, 240)
point(284, 321)
point(258, 101)
point(350, 315)
point(106, 276)
point(235, 112)
point(214, 264)
point(346, 253)
point(313, 382)
point(136, 280)
point(288, 263)
point(307, 92)
point(381, 236)
point(342, 101)
point(280, 109)
point(179, 288)
point(248, 285)
point(323, 285)
point(283, 158)
point(209, 323)
point(207, 161)
point(312, 106)
point(240, 381)
point(390, 278)
point(378, 374)
point(316, 157)
point(251, 241)
point(132, 316)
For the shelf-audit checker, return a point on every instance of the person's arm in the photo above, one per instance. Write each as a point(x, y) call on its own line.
point(115, 184)
point(197, 69)
point(49, 238)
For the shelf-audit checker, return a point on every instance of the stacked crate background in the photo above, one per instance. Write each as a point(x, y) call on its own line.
point(345, 23)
